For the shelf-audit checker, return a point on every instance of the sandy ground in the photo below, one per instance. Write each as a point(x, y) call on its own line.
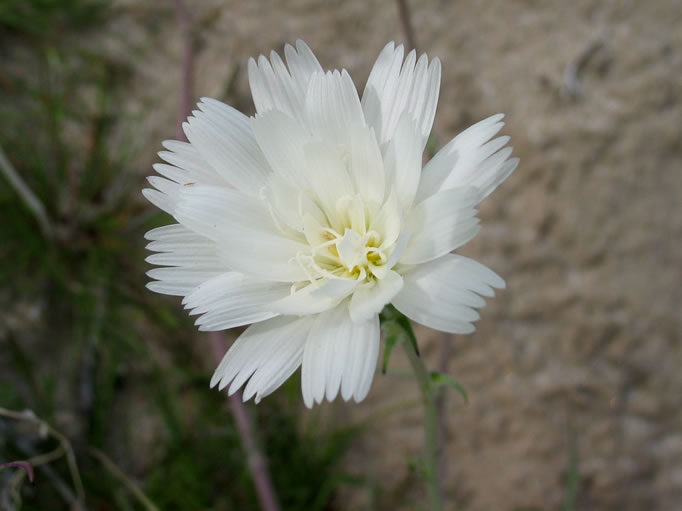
point(575, 367)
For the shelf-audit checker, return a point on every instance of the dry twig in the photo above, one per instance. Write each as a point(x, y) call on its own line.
point(59, 485)
point(571, 85)
point(43, 426)
point(30, 199)
point(406, 22)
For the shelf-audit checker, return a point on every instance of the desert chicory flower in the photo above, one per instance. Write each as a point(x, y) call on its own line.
point(307, 219)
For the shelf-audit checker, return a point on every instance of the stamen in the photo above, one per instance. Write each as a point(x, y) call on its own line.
point(325, 245)
point(361, 250)
point(300, 258)
point(373, 236)
point(322, 271)
point(332, 232)
point(376, 252)
point(276, 220)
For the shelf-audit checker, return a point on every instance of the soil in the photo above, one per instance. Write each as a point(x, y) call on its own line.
point(574, 373)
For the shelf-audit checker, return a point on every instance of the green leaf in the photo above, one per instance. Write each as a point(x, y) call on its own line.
point(441, 380)
point(406, 326)
point(397, 328)
point(431, 146)
point(392, 338)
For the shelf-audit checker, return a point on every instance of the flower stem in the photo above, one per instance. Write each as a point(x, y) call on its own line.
point(430, 427)
point(397, 325)
point(256, 460)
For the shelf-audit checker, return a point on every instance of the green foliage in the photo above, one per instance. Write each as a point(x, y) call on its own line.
point(315, 462)
point(444, 380)
point(40, 17)
point(572, 479)
point(431, 146)
point(397, 329)
point(390, 342)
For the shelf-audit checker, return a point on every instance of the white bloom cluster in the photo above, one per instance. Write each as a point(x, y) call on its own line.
point(307, 219)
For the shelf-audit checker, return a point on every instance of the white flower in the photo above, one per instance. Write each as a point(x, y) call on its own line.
point(307, 219)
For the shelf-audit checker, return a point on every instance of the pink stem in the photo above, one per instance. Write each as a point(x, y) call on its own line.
point(406, 22)
point(185, 104)
point(21, 464)
point(256, 460)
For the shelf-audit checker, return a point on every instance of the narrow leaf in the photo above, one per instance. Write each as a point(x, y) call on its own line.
point(440, 380)
point(392, 339)
point(397, 328)
point(406, 326)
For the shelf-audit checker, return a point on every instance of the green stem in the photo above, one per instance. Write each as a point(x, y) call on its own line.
point(396, 324)
point(430, 427)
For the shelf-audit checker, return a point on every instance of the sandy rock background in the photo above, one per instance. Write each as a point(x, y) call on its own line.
point(575, 368)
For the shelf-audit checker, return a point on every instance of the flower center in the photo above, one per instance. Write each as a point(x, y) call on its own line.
point(345, 245)
point(356, 254)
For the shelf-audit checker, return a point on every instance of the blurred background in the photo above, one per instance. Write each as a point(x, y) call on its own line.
point(573, 375)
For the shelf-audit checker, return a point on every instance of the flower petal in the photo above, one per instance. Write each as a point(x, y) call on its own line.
point(248, 239)
point(338, 352)
point(160, 200)
point(361, 359)
point(282, 139)
point(233, 299)
point(192, 257)
point(367, 165)
point(332, 107)
point(166, 194)
point(274, 87)
point(440, 224)
point(178, 281)
point(187, 158)
point(285, 358)
point(178, 246)
point(224, 137)
point(442, 294)
point(369, 299)
point(388, 221)
point(280, 361)
point(288, 203)
point(404, 161)
point(302, 63)
point(327, 175)
point(313, 299)
point(325, 355)
point(312, 171)
point(470, 159)
point(178, 175)
point(267, 352)
point(395, 88)
point(398, 249)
